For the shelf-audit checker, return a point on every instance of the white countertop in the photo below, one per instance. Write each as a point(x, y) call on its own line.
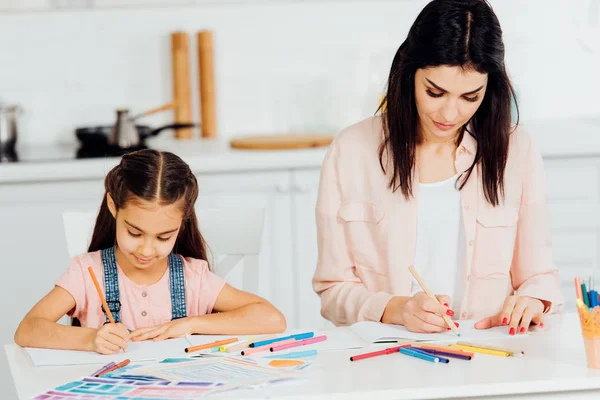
point(554, 362)
point(57, 162)
point(561, 138)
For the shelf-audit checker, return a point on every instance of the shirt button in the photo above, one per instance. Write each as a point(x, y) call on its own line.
point(464, 315)
point(144, 313)
point(469, 277)
point(144, 294)
point(471, 243)
point(467, 207)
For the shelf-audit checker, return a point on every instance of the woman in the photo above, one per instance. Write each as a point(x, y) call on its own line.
point(442, 181)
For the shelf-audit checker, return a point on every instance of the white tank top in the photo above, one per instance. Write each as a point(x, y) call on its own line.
point(440, 249)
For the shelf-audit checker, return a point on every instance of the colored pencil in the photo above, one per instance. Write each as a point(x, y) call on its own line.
point(578, 291)
point(383, 352)
point(417, 354)
point(115, 367)
point(266, 347)
point(447, 319)
point(304, 342)
point(586, 298)
point(216, 343)
point(102, 299)
point(298, 336)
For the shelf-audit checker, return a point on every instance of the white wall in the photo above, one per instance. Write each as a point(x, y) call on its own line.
point(281, 66)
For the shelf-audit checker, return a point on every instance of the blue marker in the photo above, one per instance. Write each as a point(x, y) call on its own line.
point(296, 354)
point(416, 354)
point(442, 359)
point(298, 336)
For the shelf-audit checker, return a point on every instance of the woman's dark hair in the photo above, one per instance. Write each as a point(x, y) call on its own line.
point(463, 33)
point(154, 176)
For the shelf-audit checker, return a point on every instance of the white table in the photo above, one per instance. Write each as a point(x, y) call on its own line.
point(554, 367)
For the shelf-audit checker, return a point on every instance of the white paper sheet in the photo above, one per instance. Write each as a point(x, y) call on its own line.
point(137, 351)
point(373, 332)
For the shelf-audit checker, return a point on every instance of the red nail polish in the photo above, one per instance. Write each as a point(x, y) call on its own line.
point(522, 330)
point(446, 305)
point(456, 323)
point(450, 313)
point(504, 321)
point(512, 331)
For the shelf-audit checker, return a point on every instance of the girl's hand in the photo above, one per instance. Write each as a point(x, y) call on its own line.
point(172, 329)
point(418, 313)
point(110, 339)
point(518, 313)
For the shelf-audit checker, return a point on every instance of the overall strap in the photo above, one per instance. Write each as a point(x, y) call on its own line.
point(177, 281)
point(111, 284)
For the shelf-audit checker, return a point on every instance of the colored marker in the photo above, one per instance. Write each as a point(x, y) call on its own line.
point(304, 342)
point(416, 354)
point(296, 354)
point(298, 336)
point(383, 352)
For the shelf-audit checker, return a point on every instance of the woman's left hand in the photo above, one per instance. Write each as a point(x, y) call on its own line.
point(172, 329)
point(518, 313)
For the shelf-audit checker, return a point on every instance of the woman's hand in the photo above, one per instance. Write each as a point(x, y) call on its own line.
point(172, 329)
point(518, 313)
point(110, 339)
point(418, 313)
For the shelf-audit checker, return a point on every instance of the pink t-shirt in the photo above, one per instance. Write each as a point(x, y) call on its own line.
point(141, 305)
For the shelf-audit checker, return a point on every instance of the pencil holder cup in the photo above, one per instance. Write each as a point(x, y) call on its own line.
point(590, 329)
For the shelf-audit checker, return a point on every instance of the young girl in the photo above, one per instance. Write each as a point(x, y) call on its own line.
point(147, 250)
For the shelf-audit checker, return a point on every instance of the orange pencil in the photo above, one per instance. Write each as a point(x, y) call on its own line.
point(102, 299)
point(116, 366)
point(210, 345)
point(445, 349)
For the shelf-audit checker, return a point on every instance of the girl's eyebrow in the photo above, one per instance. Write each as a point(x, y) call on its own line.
point(444, 90)
point(136, 228)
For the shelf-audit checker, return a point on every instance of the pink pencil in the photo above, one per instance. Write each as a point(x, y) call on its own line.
point(578, 288)
point(252, 350)
point(304, 342)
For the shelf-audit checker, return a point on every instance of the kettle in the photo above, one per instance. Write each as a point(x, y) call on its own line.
point(8, 128)
point(124, 133)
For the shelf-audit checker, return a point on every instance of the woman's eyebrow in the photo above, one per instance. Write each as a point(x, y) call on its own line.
point(444, 90)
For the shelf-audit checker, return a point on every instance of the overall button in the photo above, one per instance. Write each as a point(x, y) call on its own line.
point(144, 313)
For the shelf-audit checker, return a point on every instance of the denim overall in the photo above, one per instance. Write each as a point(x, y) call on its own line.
point(111, 285)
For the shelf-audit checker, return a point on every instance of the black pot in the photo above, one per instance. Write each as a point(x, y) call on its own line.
point(97, 136)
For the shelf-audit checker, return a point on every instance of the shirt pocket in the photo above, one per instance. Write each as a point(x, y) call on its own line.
point(366, 235)
point(494, 242)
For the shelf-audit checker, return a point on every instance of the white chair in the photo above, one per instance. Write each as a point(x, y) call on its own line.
point(234, 234)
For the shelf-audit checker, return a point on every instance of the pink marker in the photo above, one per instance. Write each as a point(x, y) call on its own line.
point(282, 346)
point(252, 350)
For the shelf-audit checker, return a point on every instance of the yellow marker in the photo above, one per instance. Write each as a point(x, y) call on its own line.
point(482, 350)
point(512, 353)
